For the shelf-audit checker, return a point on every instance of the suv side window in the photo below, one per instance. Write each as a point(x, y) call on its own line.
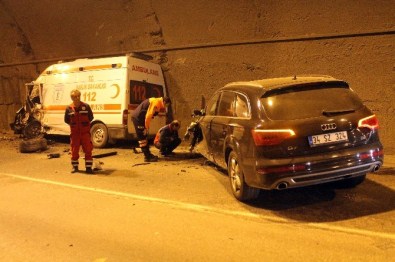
point(226, 104)
point(241, 106)
point(212, 105)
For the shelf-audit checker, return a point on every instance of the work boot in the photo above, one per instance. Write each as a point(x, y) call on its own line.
point(74, 169)
point(151, 158)
point(89, 171)
point(148, 157)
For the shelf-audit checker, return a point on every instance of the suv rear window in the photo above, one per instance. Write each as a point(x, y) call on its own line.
point(310, 100)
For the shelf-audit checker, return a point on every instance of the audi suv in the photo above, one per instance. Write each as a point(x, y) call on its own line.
point(290, 132)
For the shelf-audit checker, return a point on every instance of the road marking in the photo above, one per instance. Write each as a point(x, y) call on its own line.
point(202, 208)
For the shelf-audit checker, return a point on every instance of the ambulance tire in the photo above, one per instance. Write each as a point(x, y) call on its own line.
point(33, 145)
point(99, 134)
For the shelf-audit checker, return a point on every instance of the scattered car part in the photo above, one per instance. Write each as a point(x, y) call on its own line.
point(113, 153)
point(33, 145)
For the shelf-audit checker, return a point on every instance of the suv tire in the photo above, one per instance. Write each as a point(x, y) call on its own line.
point(240, 189)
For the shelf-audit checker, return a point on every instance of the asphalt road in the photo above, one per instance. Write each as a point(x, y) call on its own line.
point(181, 209)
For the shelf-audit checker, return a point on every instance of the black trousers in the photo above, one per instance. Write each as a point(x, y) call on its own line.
point(168, 147)
point(141, 136)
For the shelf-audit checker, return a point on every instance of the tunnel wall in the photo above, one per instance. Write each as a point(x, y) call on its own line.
point(203, 45)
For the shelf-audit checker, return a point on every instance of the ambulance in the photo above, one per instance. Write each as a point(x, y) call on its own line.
point(112, 86)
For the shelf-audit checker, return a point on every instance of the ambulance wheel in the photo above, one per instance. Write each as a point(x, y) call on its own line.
point(99, 135)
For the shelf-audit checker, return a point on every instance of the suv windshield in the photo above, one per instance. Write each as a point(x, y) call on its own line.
point(309, 101)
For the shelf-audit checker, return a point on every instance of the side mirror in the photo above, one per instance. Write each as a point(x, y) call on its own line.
point(197, 112)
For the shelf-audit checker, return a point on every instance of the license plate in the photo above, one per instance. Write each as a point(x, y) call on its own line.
point(329, 138)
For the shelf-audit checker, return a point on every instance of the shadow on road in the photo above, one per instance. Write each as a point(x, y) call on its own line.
point(326, 204)
point(322, 203)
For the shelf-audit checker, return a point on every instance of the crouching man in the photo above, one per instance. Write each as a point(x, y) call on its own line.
point(167, 139)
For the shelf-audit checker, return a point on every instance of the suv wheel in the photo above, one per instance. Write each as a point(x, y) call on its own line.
point(240, 189)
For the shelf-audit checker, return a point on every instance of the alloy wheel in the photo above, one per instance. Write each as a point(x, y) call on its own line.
point(235, 175)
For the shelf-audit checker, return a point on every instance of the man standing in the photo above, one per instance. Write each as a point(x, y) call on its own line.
point(78, 116)
point(167, 139)
point(141, 118)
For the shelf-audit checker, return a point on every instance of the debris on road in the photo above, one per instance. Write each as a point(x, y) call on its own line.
point(140, 164)
point(105, 154)
point(55, 155)
point(33, 145)
point(97, 165)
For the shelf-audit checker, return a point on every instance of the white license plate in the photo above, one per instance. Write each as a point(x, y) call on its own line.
point(329, 138)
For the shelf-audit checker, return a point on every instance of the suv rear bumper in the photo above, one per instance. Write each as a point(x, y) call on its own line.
point(325, 176)
point(299, 172)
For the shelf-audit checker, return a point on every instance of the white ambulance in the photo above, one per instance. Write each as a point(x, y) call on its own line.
point(112, 86)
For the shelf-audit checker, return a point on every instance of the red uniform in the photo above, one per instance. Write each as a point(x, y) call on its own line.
point(79, 119)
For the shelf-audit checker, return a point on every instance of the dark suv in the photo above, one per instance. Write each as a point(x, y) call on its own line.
point(290, 132)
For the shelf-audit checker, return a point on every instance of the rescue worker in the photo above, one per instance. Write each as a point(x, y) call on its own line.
point(78, 116)
point(167, 139)
point(141, 118)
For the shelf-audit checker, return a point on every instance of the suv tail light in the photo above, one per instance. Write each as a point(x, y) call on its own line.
point(372, 154)
point(370, 122)
point(270, 137)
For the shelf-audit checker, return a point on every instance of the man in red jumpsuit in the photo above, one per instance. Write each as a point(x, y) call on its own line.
point(79, 116)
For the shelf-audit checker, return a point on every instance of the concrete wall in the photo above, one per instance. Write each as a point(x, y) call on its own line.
point(204, 44)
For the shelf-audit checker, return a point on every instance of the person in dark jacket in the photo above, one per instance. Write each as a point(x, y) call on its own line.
point(167, 139)
point(141, 118)
point(79, 116)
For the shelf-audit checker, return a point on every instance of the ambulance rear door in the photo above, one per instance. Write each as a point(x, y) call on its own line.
point(145, 81)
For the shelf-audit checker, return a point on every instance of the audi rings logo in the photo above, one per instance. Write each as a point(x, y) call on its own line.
point(327, 127)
